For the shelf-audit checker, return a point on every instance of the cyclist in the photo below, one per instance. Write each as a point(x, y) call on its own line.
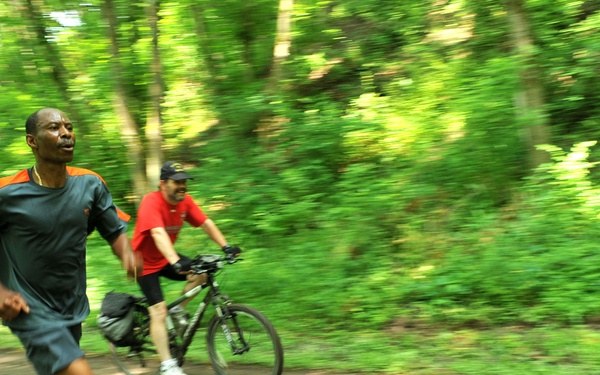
point(159, 220)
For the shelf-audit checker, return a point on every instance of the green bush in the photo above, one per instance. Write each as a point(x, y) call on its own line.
point(535, 262)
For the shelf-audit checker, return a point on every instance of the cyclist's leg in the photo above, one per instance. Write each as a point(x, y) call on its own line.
point(192, 280)
point(150, 285)
point(158, 330)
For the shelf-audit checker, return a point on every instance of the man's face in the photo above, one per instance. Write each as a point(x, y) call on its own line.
point(174, 191)
point(54, 139)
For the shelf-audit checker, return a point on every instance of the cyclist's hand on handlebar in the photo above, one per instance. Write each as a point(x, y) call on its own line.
point(231, 251)
point(182, 266)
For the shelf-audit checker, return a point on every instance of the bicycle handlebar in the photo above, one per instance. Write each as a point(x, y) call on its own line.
point(211, 263)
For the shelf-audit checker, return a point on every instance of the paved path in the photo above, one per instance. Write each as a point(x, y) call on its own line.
point(13, 362)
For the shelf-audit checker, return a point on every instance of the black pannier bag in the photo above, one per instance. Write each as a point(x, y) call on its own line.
point(116, 318)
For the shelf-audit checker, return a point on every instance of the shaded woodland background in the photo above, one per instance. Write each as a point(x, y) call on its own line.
point(392, 163)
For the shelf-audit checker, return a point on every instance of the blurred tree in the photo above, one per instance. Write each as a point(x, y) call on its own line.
point(47, 53)
point(530, 102)
point(283, 41)
point(129, 127)
point(156, 94)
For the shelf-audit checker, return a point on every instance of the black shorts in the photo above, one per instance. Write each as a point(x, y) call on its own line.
point(150, 284)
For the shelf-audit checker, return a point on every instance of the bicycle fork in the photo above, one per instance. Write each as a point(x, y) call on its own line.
point(223, 314)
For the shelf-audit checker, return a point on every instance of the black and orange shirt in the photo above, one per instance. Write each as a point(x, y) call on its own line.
point(43, 234)
point(156, 212)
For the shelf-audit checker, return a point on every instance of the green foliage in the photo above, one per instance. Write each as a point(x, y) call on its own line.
point(382, 186)
point(535, 262)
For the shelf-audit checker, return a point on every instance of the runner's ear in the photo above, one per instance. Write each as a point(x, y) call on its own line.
point(31, 141)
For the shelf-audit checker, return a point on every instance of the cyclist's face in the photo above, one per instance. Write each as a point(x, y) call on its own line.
point(174, 191)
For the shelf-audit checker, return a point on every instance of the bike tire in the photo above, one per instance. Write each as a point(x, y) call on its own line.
point(264, 345)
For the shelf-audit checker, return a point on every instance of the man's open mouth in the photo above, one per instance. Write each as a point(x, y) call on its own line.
point(67, 146)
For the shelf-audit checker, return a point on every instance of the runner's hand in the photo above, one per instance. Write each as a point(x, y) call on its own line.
point(133, 264)
point(11, 305)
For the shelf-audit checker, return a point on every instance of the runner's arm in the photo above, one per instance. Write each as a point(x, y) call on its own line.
point(132, 262)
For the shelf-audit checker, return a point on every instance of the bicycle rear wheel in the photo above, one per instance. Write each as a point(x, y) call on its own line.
point(244, 339)
point(130, 357)
point(129, 360)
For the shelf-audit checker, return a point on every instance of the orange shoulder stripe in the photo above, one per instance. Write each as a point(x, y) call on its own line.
point(19, 178)
point(74, 171)
point(23, 176)
point(123, 216)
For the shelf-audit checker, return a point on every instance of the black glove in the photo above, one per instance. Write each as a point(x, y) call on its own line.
point(182, 265)
point(230, 251)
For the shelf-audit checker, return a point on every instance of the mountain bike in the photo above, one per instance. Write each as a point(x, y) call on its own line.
point(237, 335)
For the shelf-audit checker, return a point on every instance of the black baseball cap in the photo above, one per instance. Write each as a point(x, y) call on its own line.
point(174, 171)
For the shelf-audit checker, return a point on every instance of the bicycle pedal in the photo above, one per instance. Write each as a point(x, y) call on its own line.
point(134, 353)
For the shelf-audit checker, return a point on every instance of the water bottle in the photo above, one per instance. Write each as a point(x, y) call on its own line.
point(180, 319)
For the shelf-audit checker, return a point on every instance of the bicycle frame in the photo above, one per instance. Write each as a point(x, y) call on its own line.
point(230, 319)
point(212, 297)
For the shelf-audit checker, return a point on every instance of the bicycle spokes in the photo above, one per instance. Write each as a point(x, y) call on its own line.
point(244, 337)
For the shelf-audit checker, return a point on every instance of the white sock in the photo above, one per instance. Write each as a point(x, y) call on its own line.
point(168, 363)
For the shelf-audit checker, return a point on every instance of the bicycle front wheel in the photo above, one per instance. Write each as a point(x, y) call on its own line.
point(244, 339)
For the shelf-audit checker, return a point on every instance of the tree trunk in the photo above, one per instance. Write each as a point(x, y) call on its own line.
point(156, 93)
point(204, 50)
point(60, 74)
point(269, 125)
point(530, 101)
point(283, 42)
point(129, 128)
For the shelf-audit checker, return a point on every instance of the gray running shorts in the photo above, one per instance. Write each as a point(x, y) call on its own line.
point(51, 349)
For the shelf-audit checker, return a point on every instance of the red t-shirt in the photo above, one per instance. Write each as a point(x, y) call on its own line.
point(155, 212)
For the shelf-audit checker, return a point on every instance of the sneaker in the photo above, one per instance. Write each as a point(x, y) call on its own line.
point(172, 370)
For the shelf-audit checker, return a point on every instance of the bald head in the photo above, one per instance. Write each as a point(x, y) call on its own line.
point(34, 119)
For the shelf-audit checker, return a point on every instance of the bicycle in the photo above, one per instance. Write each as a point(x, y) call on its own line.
point(237, 335)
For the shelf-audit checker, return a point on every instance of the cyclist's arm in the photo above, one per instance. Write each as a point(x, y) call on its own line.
point(163, 243)
point(211, 229)
point(11, 304)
